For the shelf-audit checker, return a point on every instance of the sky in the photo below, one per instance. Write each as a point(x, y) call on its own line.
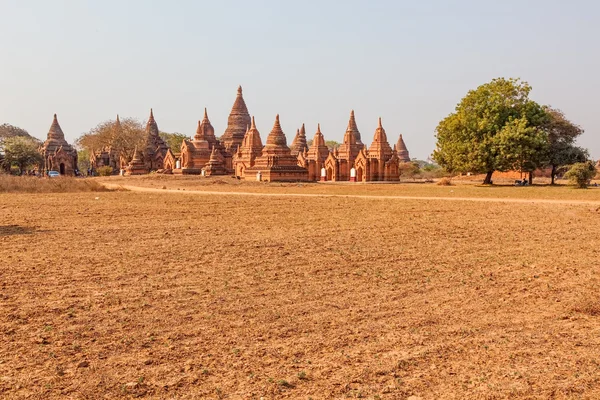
point(408, 62)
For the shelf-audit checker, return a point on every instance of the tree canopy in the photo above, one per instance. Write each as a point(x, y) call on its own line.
point(174, 140)
point(22, 152)
point(494, 128)
point(561, 149)
point(107, 134)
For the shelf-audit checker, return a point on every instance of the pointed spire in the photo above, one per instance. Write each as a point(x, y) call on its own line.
point(238, 120)
point(205, 114)
point(205, 129)
point(239, 90)
point(253, 123)
point(55, 131)
point(277, 138)
point(151, 114)
point(151, 125)
point(319, 128)
point(379, 126)
point(352, 134)
point(403, 153)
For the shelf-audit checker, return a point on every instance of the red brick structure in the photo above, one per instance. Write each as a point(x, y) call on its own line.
point(237, 124)
point(107, 156)
point(339, 164)
point(403, 154)
point(247, 153)
point(316, 156)
point(216, 164)
point(276, 162)
point(58, 154)
point(136, 166)
point(299, 144)
point(196, 153)
point(156, 149)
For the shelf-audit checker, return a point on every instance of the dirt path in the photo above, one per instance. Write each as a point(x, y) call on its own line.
point(356, 196)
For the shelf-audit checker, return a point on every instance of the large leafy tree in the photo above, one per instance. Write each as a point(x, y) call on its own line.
point(562, 134)
point(106, 134)
point(22, 152)
point(494, 128)
point(174, 140)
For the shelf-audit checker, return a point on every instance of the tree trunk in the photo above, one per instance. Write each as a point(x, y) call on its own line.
point(531, 177)
point(552, 174)
point(488, 178)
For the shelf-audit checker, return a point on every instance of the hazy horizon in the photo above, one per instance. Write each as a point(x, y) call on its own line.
point(311, 62)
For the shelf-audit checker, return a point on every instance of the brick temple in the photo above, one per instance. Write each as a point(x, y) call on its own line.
point(58, 154)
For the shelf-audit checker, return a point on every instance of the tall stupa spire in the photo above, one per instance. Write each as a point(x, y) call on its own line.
point(238, 121)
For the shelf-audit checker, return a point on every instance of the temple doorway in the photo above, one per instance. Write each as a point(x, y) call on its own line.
point(359, 174)
point(329, 174)
point(62, 168)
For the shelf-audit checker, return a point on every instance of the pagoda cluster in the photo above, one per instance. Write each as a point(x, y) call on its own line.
point(240, 152)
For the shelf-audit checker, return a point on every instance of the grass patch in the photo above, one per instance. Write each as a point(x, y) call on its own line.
point(30, 184)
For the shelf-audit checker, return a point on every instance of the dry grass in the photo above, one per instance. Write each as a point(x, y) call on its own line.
point(180, 296)
point(30, 184)
point(458, 189)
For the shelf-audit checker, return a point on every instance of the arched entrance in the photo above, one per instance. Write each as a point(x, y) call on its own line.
point(62, 168)
point(329, 174)
point(359, 174)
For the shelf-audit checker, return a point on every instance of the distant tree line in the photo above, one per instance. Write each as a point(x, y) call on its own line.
point(19, 151)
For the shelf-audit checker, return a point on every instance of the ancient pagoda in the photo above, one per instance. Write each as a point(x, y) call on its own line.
point(58, 154)
point(247, 153)
point(339, 164)
point(196, 153)
point(155, 148)
point(317, 155)
point(238, 122)
point(215, 164)
point(276, 162)
point(403, 154)
point(299, 144)
point(136, 166)
point(380, 162)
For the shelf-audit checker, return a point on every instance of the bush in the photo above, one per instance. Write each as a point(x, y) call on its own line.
point(445, 181)
point(104, 171)
point(580, 174)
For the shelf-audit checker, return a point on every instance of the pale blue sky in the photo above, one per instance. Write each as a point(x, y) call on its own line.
point(409, 62)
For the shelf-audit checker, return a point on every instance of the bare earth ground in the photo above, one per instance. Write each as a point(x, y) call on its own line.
point(168, 295)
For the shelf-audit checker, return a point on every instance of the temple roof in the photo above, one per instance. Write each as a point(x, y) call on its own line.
point(237, 123)
point(55, 131)
point(380, 148)
point(56, 139)
point(299, 144)
point(151, 125)
point(403, 153)
point(205, 130)
point(318, 148)
point(352, 131)
point(252, 138)
point(276, 137)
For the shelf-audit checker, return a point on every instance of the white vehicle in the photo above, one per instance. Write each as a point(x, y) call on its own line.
point(53, 174)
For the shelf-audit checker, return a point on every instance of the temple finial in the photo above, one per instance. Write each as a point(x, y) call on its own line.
point(253, 123)
point(379, 126)
point(318, 128)
point(55, 118)
point(240, 90)
point(151, 114)
point(205, 113)
point(352, 113)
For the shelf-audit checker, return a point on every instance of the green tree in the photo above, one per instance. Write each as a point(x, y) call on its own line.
point(580, 174)
point(491, 130)
point(8, 130)
point(22, 152)
point(561, 150)
point(174, 140)
point(83, 159)
point(332, 144)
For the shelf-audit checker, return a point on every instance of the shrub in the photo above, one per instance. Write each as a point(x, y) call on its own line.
point(445, 181)
point(104, 171)
point(580, 174)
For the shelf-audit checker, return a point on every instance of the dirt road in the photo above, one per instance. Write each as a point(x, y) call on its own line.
point(356, 196)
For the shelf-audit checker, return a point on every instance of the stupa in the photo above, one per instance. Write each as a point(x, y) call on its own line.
point(58, 154)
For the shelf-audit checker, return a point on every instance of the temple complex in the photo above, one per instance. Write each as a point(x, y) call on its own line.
point(237, 124)
point(276, 162)
point(299, 144)
point(196, 153)
point(247, 153)
point(58, 155)
point(316, 156)
point(339, 164)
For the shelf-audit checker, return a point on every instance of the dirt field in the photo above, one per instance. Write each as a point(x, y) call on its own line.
point(167, 295)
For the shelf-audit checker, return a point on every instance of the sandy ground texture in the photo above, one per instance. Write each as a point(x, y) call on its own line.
point(168, 295)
